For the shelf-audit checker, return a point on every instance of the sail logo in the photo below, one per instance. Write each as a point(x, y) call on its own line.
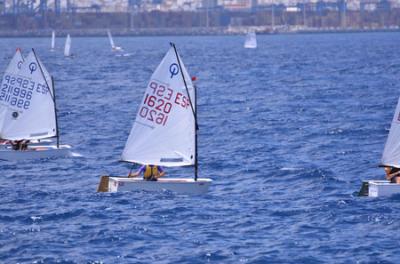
point(173, 69)
point(32, 67)
point(19, 64)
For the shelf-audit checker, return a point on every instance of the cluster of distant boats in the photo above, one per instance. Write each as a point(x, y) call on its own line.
point(250, 42)
point(68, 41)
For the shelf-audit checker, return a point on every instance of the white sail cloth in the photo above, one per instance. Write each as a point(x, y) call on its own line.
point(164, 129)
point(391, 153)
point(26, 102)
point(251, 41)
point(110, 39)
point(67, 47)
point(53, 40)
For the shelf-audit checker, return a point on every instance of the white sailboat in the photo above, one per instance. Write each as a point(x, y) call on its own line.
point(113, 47)
point(390, 158)
point(67, 47)
point(28, 110)
point(251, 40)
point(164, 132)
point(53, 40)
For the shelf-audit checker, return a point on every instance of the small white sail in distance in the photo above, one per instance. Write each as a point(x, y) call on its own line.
point(391, 152)
point(53, 40)
point(67, 47)
point(110, 38)
point(27, 112)
point(164, 129)
point(251, 40)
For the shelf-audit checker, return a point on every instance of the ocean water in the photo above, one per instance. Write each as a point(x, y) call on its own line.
point(287, 132)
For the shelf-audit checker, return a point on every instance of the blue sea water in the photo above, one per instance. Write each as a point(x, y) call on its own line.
point(287, 132)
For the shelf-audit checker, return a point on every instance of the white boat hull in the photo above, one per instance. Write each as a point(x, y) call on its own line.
point(380, 188)
point(179, 185)
point(35, 152)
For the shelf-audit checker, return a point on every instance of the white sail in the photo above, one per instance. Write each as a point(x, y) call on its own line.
point(53, 40)
point(110, 38)
point(251, 41)
point(15, 64)
point(164, 129)
point(67, 48)
point(26, 103)
point(391, 153)
point(12, 69)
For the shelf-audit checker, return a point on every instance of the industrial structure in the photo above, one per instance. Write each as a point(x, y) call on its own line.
point(268, 15)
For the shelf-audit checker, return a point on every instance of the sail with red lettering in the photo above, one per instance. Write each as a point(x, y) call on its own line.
point(164, 130)
point(26, 102)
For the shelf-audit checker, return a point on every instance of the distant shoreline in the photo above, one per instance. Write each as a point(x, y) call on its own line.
point(195, 31)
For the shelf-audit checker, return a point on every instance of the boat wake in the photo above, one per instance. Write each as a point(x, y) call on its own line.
point(75, 154)
point(290, 169)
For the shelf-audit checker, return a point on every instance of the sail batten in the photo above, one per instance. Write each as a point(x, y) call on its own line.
point(163, 133)
point(391, 152)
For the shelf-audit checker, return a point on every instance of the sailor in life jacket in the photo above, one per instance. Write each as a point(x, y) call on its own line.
point(150, 172)
point(392, 174)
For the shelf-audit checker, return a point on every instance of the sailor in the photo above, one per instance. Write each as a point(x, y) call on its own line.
point(16, 144)
point(20, 144)
point(392, 174)
point(150, 172)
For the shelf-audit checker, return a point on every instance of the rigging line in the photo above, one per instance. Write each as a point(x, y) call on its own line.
point(44, 77)
point(184, 81)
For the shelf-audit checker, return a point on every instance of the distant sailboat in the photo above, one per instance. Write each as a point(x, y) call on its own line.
point(53, 40)
point(390, 158)
point(28, 109)
point(164, 132)
point(251, 41)
point(67, 47)
point(113, 47)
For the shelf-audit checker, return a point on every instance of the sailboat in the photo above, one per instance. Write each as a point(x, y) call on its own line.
point(67, 47)
point(251, 40)
point(53, 40)
point(390, 158)
point(164, 132)
point(113, 47)
point(28, 109)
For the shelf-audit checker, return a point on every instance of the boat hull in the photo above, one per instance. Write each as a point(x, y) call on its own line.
point(379, 188)
point(36, 152)
point(178, 185)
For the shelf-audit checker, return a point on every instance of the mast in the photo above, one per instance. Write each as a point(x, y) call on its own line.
point(196, 127)
point(55, 112)
point(196, 163)
point(53, 95)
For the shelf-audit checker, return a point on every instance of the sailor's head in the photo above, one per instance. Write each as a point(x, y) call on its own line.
point(390, 170)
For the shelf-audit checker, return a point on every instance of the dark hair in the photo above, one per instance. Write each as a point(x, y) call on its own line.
point(393, 170)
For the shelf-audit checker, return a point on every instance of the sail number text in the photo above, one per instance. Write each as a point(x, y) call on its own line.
point(18, 91)
point(159, 101)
